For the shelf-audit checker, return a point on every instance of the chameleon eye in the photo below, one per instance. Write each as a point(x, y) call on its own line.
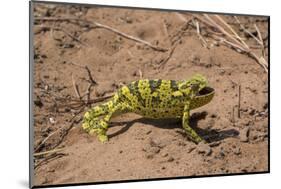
point(194, 86)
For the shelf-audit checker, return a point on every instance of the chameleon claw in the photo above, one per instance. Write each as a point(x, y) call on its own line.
point(103, 138)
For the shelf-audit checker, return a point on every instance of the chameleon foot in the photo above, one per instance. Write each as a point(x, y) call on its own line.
point(96, 127)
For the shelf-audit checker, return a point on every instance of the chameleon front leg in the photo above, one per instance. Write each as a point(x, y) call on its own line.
point(185, 123)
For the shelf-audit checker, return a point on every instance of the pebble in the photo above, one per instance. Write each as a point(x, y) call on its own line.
point(153, 149)
point(148, 132)
point(244, 134)
point(170, 159)
point(252, 112)
point(237, 151)
point(222, 153)
point(38, 102)
point(191, 149)
point(52, 120)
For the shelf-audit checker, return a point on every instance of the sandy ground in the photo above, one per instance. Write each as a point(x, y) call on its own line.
point(140, 148)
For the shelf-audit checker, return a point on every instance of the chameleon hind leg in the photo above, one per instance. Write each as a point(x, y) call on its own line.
point(191, 133)
point(118, 109)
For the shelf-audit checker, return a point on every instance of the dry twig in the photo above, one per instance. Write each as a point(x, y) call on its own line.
point(48, 152)
point(204, 42)
point(247, 31)
point(94, 24)
point(236, 41)
point(75, 87)
point(51, 28)
point(239, 100)
point(261, 40)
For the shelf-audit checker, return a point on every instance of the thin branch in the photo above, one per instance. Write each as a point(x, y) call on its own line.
point(90, 76)
point(261, 40)
point(223, 31)
point(204, 42)
point(172, 49)
point(239, 100)
point(232, 30)
point(58, 130)
point(247, 31)
point(48, 152)
point(99, 25)
point(63, 30)
point(91, 80)
point(234, 43)
point(45, 160)
point(75, 87)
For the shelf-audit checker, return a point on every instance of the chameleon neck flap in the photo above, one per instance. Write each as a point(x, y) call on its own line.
point(204, 97)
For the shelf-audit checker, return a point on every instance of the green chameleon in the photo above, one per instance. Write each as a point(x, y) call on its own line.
point(152, 99)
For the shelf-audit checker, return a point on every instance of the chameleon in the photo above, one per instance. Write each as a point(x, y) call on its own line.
point(155, 99)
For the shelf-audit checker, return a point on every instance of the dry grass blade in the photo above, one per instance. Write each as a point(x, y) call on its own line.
point(261, 40)
point(221, 29)
point(247, 31)
point(238, 43)
point(232, 30)
point(204, 42)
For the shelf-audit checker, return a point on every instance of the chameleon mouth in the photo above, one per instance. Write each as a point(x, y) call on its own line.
point(206, 91)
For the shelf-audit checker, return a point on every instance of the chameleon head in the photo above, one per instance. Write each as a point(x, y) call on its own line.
point(203, 94)
point(197, 83)
point(193, 85)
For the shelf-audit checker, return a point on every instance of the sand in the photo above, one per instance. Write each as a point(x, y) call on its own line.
point(140, 148)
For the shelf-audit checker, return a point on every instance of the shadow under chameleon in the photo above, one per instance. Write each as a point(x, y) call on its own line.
point(210, 135)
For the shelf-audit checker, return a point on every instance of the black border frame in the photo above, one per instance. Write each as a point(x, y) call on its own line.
point(31, 123)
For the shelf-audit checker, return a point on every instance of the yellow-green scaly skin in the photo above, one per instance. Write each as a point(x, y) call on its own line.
point(152, 99)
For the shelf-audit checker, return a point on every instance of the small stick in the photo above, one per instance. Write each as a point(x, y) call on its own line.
point(233, 116)
point(130, 37)
point(87, 93)
point(75, 86)
point(204, 43)
point(140, 73)
point(47, 158)
point(48, 152)
point(223, 31)
point(204, 21)
point(49, 136)
point(239, 100)
point(99, 25)
point(66, 32)
point(172, 49)
point(260, 37)
point(90, 76)
point(91, 101)
point(43, 142)
point(246, 31)
point(91, 80)
point(232, 30)
point(261, 61)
